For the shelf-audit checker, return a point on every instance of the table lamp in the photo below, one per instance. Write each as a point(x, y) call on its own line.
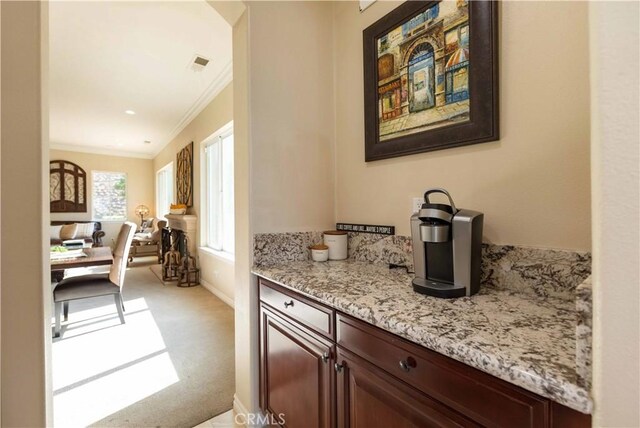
point(142, 210)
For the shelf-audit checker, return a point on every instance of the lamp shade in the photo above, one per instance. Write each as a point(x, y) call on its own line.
point(142, 210)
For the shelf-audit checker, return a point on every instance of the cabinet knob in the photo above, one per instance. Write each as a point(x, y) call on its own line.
point(289, 303)
point(407, 364)
point(325, 357)
point(338, 367)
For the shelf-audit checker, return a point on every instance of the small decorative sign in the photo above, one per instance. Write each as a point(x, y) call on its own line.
point(366, 228)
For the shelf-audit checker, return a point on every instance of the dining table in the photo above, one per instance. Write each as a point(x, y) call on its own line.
point(88, 257)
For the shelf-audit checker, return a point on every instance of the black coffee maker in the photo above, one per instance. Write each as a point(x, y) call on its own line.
point(447, 248)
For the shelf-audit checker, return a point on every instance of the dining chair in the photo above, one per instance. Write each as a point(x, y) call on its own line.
point(95, 285)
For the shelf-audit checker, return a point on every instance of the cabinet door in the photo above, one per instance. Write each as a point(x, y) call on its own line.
point(296, 373)
point(368, 398)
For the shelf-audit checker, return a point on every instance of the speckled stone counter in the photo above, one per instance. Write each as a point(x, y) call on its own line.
point(584, 309)
point(526, 339)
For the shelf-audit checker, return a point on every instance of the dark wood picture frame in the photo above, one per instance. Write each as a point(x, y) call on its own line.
point(184, 175)
point(483, 123)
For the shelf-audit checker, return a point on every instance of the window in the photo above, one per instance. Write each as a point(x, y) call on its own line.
point(109, 195)
point(217, 197)
point(164, 190)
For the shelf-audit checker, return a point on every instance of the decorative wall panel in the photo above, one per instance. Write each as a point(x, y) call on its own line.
point(67, 187)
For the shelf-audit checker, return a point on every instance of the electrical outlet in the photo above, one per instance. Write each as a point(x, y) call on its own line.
point(416, 204)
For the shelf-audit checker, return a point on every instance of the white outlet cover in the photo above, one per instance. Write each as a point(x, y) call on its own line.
point(416, 204)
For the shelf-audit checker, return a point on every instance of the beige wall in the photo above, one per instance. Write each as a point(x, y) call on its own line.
point(616, 188)
point(140, 185)
point(246, 317)
point(284, 136)
point(26, 292)
point(217, 273)
point(533, 184)
point(292, 116)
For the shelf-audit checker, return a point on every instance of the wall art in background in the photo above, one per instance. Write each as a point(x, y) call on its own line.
point(184, 175)
point(67, 187)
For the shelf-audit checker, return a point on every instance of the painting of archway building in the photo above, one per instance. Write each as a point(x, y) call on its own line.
point(423, 71)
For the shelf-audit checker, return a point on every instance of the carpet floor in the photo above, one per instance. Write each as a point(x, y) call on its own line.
point(170, 365)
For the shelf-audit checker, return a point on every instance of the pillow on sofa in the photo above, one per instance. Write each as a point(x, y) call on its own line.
point(85, 230)
point(55, 232)
point(68, 231)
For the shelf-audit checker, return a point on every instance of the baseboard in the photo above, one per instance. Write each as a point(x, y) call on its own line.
point(240, 409)
point(219, 294)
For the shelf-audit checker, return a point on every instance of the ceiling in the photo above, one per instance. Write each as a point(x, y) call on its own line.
point(109, 57)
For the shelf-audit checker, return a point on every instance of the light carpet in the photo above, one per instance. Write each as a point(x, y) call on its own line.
point(170, 365)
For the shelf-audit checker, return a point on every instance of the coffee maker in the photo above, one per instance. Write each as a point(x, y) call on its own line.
point(447, 247)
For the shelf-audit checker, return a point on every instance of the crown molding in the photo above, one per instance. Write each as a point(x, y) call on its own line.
point(100, 151)
point(224, 78)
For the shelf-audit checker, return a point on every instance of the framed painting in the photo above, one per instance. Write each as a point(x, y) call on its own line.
point(431, 77)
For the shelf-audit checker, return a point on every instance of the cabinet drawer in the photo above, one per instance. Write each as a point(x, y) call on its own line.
point(479, 396)
point(312, 315)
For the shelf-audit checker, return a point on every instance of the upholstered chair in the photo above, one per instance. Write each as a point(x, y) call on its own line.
point(149, 242)
point(95, 285)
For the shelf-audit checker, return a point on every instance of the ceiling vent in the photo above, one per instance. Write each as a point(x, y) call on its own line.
point(199, 63)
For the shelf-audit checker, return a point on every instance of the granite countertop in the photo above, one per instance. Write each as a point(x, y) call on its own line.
point(527, 340)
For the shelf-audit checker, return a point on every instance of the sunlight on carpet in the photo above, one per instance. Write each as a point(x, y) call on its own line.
point(118, 389)
point(139, 367)
point(171, 364)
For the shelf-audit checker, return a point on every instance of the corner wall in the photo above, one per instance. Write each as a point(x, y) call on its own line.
point(284, 134)
point(616, 212)
point(26, 304)
point(292, 116)
point(533, 184)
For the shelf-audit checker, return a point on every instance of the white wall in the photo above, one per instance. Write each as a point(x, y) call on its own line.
point(140, 186)
point(26, 293)
point(615, 144)
point(532, 184)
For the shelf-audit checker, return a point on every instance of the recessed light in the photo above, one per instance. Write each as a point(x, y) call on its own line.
point(147, 142)
point(120, 144)
point(131, 112)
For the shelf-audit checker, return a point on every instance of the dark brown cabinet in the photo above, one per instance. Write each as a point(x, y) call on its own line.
point(297, 373)
point(370, 398)
point(321, 368)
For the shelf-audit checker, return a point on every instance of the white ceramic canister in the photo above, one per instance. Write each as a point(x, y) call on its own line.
point(319, 253)
point(336, 240)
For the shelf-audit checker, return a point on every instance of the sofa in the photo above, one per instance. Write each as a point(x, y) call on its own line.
point(148, 241)
point(89, 231)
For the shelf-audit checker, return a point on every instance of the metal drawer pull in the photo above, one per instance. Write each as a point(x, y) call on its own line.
point(407, 364)
point(338, 367)
point(289, 303)
point(325, 357)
